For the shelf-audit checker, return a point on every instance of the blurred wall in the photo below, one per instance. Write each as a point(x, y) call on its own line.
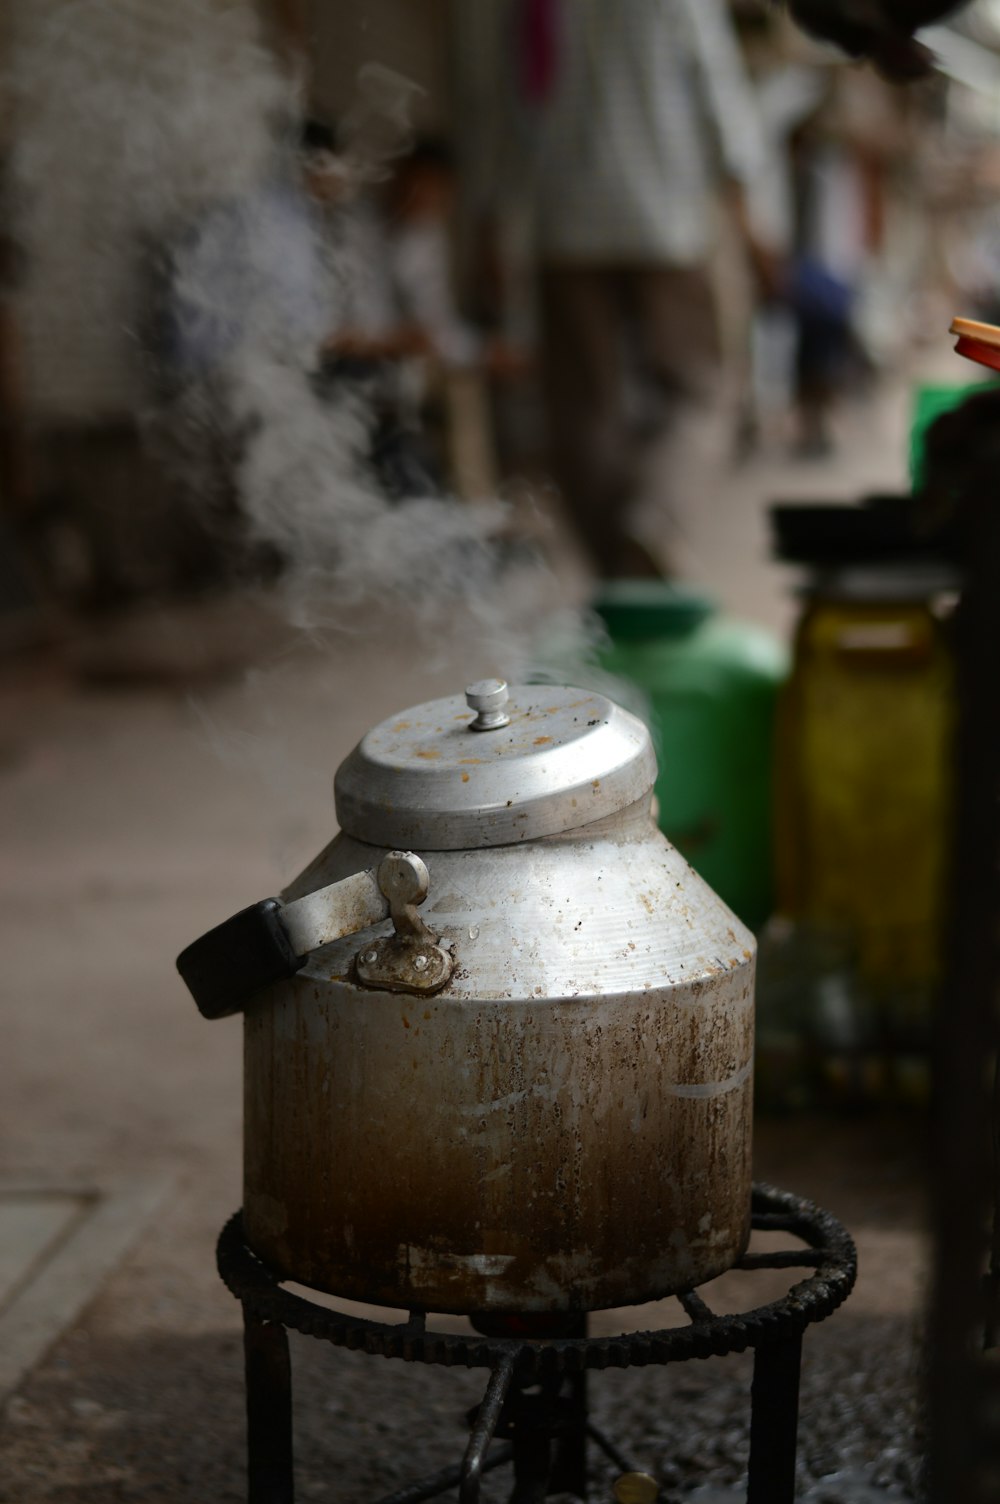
point(410, 36)
point(126, 117)
point(77, 355)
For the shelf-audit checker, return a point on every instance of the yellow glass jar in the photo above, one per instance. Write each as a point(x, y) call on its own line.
point(864, 788)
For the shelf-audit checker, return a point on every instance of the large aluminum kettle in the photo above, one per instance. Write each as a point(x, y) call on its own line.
point(499, 1034)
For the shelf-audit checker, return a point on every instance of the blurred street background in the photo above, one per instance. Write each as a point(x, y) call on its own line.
point(353, 352)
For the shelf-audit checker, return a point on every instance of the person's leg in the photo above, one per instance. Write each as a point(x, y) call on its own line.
point(582, 370)
point(685, 440)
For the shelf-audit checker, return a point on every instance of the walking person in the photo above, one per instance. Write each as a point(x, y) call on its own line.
point(632, 124)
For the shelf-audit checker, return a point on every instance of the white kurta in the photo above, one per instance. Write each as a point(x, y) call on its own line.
point(651, 105)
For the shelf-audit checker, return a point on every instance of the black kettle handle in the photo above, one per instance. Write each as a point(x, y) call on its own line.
point(225, 968)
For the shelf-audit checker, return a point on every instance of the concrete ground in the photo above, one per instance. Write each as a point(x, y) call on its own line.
point(136, 814)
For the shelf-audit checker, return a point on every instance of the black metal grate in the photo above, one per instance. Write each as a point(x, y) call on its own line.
point(535, 1399)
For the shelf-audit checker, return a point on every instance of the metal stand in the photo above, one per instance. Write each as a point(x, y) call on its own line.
point(774, 1420)
point(535, 1402)
point(269, 1411)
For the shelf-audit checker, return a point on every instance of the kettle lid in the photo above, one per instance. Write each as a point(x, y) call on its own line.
point(493, 767)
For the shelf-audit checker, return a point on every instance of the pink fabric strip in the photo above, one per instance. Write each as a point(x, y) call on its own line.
point(537, 48)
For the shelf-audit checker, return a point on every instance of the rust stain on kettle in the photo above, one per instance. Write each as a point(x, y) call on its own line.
point(522, 1160)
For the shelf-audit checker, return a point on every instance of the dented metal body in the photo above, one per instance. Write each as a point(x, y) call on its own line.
point(564, 1125)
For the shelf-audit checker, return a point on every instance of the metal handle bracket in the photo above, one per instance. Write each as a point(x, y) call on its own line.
point(270, 941)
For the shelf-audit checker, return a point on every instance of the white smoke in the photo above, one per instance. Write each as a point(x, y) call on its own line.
point(126, 119)
point(151, 136)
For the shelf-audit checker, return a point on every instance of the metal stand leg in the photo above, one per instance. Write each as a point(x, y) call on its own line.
point(532, 1466)
point(549, 1430)
point(569, 1461)
point(569, 1465)
point(774, 1422)
point(475, 1463)
point(269, 1412)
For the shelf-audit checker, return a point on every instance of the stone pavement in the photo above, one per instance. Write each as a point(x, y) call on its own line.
point(136, 814)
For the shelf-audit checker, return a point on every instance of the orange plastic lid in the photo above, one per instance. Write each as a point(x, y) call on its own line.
point(984, 334)
point(978, 342)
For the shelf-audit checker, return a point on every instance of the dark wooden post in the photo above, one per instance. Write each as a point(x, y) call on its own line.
point(964, 490)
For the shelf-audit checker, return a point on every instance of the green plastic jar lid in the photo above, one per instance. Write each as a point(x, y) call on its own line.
point(634, 609)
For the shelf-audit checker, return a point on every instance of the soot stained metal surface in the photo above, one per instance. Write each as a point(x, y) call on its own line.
point(565, 1125)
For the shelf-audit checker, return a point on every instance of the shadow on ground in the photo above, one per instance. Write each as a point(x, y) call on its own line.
point(161, 1419)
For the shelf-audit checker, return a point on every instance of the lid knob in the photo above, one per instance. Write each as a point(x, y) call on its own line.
point(489, 697)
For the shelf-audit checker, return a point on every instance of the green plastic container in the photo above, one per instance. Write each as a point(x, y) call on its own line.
point(712, 686)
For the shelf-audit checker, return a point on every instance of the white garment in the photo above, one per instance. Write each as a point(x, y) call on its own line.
point(420, 255)
point(787, 96)
point(400, 274)
point(650, 107)
point(834, 230)
point(359, 246)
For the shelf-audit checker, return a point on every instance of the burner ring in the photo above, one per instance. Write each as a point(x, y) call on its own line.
point(829, 1253)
